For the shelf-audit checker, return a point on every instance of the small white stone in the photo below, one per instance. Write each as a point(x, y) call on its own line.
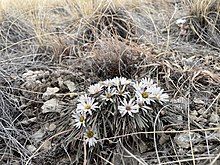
point(180, 21)
point(51, 106)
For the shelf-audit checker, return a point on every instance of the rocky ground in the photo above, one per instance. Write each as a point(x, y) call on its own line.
point(43, 73)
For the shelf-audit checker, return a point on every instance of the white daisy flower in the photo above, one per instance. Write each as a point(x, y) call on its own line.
point(147, 82)
point(115, 81)
point(90, 138)
point(124, 81)
point(121, 91)
point(142, 106)
point(120, 81)
point(108, 94)
point(86, 105)
point(145, 95)
point(79, 120)
point(82, 98)
point(107, 83)
point(96, 88)
point(157, 92)
point(128, 107)
point(138, 86)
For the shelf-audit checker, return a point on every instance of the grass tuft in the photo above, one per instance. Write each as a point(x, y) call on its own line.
point(205, 21)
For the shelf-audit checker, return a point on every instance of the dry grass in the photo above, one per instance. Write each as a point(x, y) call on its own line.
point(205, 21)
point(85, 42)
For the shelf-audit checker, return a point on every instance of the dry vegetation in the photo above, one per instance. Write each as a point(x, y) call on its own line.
point(69, 45)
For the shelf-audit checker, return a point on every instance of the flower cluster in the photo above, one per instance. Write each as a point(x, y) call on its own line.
point(116, 98)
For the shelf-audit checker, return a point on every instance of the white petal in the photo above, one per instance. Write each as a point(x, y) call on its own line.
point(92, 141)
point(80, 106)
point(134, 111)
point(135, 107)
point(78, 125)
point(130, 102)
point(124, 103)
point(90, 112)
point(129, 112)
point(79, 110)
point(123, 113)
point(121, 108)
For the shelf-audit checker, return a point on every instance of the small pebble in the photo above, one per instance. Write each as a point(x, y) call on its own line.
point(194, 113)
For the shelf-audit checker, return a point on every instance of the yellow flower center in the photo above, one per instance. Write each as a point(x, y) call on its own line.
point(128, 108)
point(87, 106)
point(90, 134)
point(81, 119)
point(145, 94)
point(108, 95)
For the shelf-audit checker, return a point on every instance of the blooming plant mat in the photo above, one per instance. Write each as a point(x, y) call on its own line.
point(115, 107)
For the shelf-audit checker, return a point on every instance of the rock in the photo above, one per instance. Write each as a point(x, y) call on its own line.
point(214, 118)
point(180, 103)
point(50, 91)
point(38, 136)
point(183, 139)
point(51, 105)
point(31, 148)
point(60, 82)
point(51, 127)
point(46, 145)
point(194, 113)
point(71, 85)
